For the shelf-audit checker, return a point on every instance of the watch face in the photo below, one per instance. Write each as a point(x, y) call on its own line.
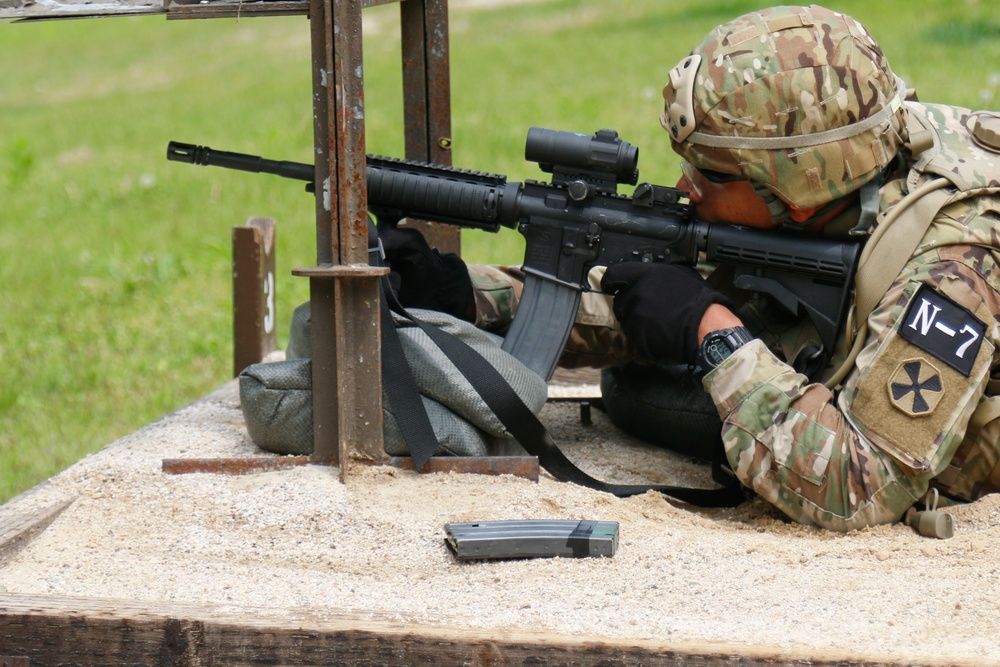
point(717, 351)
point(720, 345)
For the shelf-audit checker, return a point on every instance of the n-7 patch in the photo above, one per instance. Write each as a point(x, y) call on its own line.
point(921, 378)
point(943, 329)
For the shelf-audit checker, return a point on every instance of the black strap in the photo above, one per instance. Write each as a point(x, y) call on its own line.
point(531, 434)
point(401, 389)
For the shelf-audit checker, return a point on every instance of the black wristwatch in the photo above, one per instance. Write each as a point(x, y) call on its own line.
point(720, 345)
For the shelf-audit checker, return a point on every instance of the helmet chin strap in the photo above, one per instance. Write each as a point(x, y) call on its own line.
point(781, 212)
point(869, 197)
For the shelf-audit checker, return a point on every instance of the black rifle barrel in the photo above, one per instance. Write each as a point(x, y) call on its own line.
point(203, 155)
point(406, 189)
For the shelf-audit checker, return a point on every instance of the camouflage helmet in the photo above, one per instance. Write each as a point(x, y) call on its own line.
point(798, 99)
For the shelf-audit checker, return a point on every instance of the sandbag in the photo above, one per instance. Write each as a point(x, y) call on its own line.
point(277, 397)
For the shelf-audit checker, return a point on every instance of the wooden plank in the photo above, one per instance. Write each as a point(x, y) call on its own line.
point(17, 531)
point(30, 10)
point(221, 10)
point(75, 631)
point(254, 319)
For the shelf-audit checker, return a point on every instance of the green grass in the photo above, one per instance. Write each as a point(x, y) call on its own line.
point(115, 303)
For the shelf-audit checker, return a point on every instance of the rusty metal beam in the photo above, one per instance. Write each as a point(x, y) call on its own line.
point(233, 466)
point(426, 80)
point(347, 374)
point(427, 97)
point(344, 298)
point(520, 466)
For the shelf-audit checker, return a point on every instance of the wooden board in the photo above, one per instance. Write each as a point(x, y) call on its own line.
point(50, 630)
point(17, 531)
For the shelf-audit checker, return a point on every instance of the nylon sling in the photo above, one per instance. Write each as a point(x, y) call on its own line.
point(516, 417)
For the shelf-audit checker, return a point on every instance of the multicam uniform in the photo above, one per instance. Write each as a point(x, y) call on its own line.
point(919, 406)
point(801, 102)
point(919, 393)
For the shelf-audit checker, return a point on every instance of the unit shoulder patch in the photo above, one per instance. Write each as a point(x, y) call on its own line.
point(943, 329)
point(915, 387)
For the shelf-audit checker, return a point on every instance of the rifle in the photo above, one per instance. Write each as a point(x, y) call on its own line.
point(579, 221)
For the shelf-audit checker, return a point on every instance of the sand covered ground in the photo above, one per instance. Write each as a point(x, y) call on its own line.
point(299, 542)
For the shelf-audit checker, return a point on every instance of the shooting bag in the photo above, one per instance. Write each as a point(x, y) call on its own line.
point(276, 397)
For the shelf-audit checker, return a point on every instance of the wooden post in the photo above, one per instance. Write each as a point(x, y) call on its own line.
point(254, 315)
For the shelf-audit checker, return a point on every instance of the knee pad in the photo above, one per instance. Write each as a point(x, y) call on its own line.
point(665, 406)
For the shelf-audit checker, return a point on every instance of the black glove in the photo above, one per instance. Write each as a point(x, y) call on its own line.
point(424, 277)
point(660, 307)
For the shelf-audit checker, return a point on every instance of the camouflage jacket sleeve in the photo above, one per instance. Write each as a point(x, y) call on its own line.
point(595, 340)
point(497, 290)
point(863, 456)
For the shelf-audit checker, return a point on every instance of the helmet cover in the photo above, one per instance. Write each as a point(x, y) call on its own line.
point(799, 99)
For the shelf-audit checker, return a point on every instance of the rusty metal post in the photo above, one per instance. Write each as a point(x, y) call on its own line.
point(427, 97)
point(346, 366)
point(253, 292)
